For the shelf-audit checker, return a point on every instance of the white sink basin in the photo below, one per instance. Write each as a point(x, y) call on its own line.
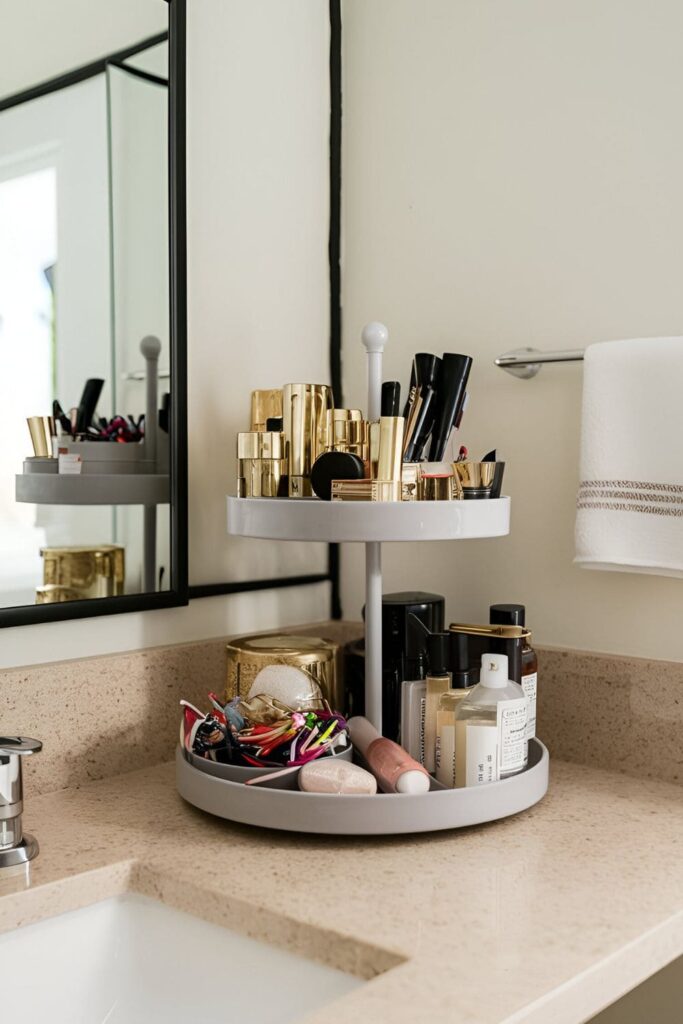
point(131, 960)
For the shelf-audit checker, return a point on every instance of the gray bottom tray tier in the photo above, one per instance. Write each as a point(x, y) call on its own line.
point(383, 814)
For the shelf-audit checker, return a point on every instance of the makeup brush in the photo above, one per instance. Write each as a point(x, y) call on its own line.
point(455, 370)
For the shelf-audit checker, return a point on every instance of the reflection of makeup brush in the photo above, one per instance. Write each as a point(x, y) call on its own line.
point(89, 399)
point(59, 414)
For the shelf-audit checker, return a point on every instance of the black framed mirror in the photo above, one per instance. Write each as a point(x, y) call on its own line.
point(93, 472)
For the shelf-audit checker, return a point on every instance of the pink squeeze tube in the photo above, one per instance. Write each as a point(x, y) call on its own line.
point(393, 767)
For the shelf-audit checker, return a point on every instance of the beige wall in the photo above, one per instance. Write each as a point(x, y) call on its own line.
point(258, 122)
point(41, 39)
point(512, 176)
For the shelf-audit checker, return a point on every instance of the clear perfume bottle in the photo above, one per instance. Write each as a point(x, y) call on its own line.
point(449, 702)
point(490, 727)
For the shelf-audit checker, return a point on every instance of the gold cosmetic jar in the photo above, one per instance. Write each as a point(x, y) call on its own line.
point(247, 655)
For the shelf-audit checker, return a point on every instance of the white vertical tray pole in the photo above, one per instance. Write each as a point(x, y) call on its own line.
point(374, 338)
point(150, 348)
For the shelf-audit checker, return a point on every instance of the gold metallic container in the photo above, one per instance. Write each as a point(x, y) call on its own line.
point(247, 655)
point(42, 430)
point(306, 420)
point(346, 432)
point(260, 464)
point(438, 488)
point(86, 572)
point(410, 481)
point(366, 490)
point(475, 474)
point(265, 405)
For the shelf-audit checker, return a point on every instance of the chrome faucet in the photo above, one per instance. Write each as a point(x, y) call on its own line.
point(15, 846)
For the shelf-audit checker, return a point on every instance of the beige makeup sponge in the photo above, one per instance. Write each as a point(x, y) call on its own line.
point(325, 776)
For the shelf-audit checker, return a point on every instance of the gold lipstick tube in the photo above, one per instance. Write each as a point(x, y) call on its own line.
point(306, 420)
point(265, 405)
point(345, 430)
point(261, 464)
point(389, 458)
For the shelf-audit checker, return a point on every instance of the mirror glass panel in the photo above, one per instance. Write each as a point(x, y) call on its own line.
point(85, 387)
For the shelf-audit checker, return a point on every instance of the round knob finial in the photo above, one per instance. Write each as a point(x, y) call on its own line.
point(150, 347)
point(375, 336)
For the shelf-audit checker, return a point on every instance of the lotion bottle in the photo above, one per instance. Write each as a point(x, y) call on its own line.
point(439, 680)
point(490, 727)
point(463, 683)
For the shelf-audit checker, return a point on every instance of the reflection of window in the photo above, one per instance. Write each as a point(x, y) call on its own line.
point(28, 257)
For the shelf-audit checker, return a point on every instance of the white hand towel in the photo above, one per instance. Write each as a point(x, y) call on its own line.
point(630, 503)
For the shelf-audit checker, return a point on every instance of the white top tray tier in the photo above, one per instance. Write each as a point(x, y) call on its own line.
point(336, 521)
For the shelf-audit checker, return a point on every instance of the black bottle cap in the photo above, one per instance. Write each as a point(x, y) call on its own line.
point(274, 423)
point(426, 369)
point(460, 652)
point(507, 614)
point(439, 653)
point(463, 680)
point(391, 398)
point(334, 466)
point(410, 598)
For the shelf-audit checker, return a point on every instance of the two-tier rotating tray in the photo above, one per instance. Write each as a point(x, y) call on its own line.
point(369, 523)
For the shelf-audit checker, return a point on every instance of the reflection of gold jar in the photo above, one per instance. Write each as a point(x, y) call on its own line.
point(84, 572)
point(52, 593)
point(247, 655)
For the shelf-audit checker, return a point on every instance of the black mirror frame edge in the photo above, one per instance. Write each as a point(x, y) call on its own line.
point(177, 595)
point(181, 593)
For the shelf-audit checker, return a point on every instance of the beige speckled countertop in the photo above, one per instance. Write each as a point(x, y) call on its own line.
point(548, 916)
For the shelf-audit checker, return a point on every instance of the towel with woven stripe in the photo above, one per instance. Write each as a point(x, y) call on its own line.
point(630, 503)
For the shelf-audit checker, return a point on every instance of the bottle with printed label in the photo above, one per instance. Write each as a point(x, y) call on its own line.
point(490, 727)
point(439, 681)
point(514, 615)
point(463, 683)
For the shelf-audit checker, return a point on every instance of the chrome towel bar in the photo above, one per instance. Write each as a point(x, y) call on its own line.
point(526, 362)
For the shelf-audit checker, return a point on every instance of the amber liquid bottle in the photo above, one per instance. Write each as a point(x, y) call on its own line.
point(514, 615)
